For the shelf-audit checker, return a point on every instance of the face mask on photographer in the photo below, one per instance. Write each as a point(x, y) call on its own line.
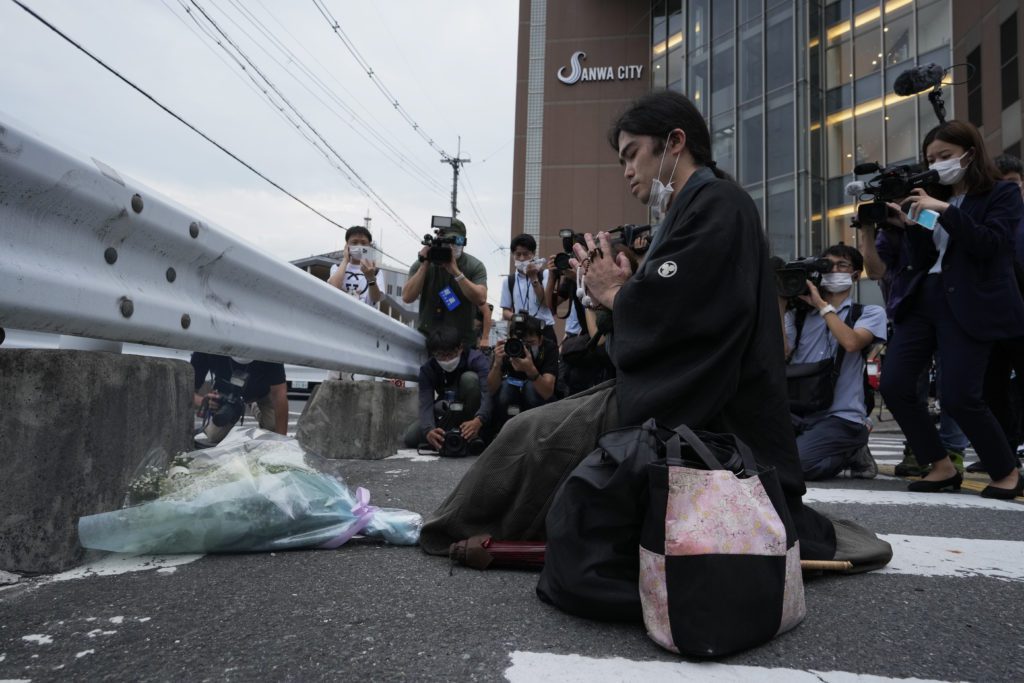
point(457, 251)
point(949, 170)
point(450, 364)
point(660, 192)
point(534, 349)
point(836, 282)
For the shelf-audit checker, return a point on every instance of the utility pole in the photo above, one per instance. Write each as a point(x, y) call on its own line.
point(455, 164)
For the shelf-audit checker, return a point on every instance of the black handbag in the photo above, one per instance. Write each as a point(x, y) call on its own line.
point(811, 386)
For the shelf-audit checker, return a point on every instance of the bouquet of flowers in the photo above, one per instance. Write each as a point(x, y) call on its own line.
point(256, 491)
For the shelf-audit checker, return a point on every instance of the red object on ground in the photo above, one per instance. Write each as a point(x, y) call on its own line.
point(483, 552)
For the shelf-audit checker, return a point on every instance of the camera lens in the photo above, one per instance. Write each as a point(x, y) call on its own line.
point(515, 348)
point(562, 261)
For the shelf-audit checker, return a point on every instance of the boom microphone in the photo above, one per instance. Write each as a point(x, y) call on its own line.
point(855, 189)
point(918, 79)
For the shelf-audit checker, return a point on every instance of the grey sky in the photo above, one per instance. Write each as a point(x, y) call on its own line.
point(451, 64)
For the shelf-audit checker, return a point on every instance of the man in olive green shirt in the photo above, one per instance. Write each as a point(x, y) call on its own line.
point(449, 294)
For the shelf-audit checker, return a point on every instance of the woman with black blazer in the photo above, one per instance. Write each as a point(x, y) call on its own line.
point(956, 296)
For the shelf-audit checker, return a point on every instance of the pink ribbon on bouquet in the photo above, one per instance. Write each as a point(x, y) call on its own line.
point(363, 512)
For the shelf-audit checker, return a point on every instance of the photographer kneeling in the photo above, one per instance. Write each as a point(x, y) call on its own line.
point(236, 383)
point(453, 396)
point(524, 370)
point(833, 329)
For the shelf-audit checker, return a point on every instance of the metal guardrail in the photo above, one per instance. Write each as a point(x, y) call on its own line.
point(87, 251)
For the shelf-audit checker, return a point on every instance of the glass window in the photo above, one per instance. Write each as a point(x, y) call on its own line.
point(933, 25)
point(898, 36)
point(974, 87)
point(781, 222)
point(837, 191)
point(867, 53)
point(868, 132)
point(867, 88)
point(838, 64)
point(779, 132)
point(861, 5)
point(723, 19)
point(658, 23)
point(900, 131)
point(751, 144)
point(836, 11)
point(675, 16)
point(723, 142)
point(675, 63)
point(838, 99)
point(723, 76)
point(840, 148)
point(779, 49)
point(698, 23)
point(659, 73)
point(697, 83)
point(940, 56)
point(1008, 58)
point(749, 9)
point(839, 230)
point(750, 58)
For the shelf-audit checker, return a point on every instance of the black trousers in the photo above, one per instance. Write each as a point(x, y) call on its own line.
point(929, 327)
point(1005, 397)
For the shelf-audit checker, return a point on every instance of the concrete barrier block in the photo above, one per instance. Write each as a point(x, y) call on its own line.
point(356, 420)
point(74, 426)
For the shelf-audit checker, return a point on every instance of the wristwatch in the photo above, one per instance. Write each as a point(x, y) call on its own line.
point(825, 310)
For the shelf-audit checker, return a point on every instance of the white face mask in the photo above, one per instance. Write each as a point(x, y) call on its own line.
point(457, 251)
point(449, 365)
point(521, 266)
point(535, 349)
point(660, 192)
point(949, 170)
point(581, 289)
point(836, 282)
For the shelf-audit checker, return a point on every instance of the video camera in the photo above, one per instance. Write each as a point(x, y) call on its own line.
point(791, 278)
point(626, 235)
point(891, 184)
point(231, 405)
point(448, 415)
point(440, 245)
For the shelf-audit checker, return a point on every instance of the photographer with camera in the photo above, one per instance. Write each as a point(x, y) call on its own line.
point(957, 305)
point(238, 382)
point(827, 333)
point(454, 402)
point(525, 291)
point(523, 371)
point(450, 284)
point(358, 275)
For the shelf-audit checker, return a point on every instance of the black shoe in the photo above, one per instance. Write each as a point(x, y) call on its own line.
point(926, 486)
point(975, 467)
point(1004, 494)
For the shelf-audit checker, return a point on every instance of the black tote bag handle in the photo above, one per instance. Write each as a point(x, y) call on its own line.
point(704, 453)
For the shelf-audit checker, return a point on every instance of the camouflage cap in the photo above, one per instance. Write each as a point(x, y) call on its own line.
point(457, 228)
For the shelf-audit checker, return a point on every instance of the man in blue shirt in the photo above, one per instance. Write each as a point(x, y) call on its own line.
point(836, 438)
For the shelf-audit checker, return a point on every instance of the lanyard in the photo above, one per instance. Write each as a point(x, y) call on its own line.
point(526, 297)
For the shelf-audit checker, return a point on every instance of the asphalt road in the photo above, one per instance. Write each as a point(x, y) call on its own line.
point(948, 608)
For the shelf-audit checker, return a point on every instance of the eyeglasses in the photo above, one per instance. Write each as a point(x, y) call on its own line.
point(842, 266)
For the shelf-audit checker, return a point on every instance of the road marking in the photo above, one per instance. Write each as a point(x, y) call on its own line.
point(542, 666)
point(120, 563)
point(955, 557)
point(874, 497)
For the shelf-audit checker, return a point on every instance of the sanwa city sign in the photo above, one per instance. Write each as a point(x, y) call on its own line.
point(579, 73)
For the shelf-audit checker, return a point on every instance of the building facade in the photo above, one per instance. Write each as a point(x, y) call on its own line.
point(796, 95)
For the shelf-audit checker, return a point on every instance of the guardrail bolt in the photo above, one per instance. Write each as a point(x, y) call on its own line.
point(110, 255)
point(136, 203)
point(127, 307)
point(194, 230)
point(186, 320)
point(171, 275)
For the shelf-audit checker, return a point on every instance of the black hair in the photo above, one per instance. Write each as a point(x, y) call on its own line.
point(847, 252)
point(657, 115)
point(444, 338)
point(982, 174)
point(1007, 163)
point(358, 230)
point(526, 241)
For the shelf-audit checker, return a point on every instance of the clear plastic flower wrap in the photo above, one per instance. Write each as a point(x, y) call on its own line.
point(256, 491)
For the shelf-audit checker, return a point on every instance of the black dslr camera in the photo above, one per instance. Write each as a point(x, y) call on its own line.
point(440, 247)
point(230, 396)
point(891, 184)
point(448, 415)
point(625, 235)
point(791, 278)
point(517, 329)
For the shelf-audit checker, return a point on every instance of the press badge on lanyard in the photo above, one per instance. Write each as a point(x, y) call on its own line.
point(451, 301)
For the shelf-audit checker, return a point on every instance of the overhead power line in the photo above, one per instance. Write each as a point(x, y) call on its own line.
point(168, 110)
point(365, 66)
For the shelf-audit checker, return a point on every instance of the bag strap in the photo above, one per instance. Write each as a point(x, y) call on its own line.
point(683, 432)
